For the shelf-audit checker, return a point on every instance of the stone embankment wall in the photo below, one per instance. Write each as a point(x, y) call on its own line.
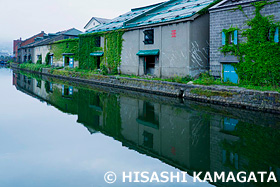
point(267, 101)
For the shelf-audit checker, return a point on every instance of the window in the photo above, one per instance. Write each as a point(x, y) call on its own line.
point(97, 41)
point(230, 159)
point(149, 36)
point(67, 45)
point(230, 38)
point(149, 114)
point(276, 35)
point(148, 139)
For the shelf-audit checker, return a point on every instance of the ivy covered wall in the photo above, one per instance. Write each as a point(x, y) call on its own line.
point(111, 46)
point(88, 44)
point(65, 46)
point(259, 53)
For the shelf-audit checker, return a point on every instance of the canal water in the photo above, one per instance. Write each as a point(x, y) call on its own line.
point(57, 133)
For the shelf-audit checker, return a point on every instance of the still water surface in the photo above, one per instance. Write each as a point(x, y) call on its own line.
point(56, 133)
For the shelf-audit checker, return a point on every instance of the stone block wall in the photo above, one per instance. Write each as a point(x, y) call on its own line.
point(223, 17)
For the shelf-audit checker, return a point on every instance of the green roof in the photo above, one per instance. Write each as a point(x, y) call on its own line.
point(97, 54)
point(148, 52)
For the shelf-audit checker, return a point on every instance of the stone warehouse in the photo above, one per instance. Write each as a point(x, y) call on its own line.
point(233, 14)
point(165, 40)
point(41, 47)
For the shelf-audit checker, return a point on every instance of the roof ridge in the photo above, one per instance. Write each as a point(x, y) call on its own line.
point(150, 10)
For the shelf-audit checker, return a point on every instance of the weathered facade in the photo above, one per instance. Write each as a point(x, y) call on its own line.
point(181, 50)
point(164, 40)
point(18, 44)
point(38, 50)
point(222, 17)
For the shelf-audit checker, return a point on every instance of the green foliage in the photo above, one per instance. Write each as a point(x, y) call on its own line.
point(47, 59)
point(103, 69)
point(112, 51)
point(87, 45)
point(33, 67)
point(259, 55)
point(39, 61)
point(206, 79)
point(65, 46)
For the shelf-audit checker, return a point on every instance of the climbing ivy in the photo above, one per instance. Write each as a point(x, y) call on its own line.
point(258, 54)
point(47, 59)
point(229, 47)
point(112, 50)
point(39, 61)
point(65, 46)
point(111, 60)
point(87, 45)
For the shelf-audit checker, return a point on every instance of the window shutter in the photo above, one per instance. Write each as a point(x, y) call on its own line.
point(276, 36)
point(62, 90)
point(223, 38)
point(235, 37)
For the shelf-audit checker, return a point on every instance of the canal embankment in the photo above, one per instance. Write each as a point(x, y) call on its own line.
point(233, 96)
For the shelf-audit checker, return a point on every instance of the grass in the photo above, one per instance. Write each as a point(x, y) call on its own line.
point(206, 79)
point(209, 93)
point(34, 67)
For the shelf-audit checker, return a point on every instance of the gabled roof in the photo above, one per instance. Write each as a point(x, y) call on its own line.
point(99, 20)
point(230, 3)
point(118, 22)
point(71, 32)
point(171, 10)
point(50, 38)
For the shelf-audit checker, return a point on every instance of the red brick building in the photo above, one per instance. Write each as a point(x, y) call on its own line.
point(20, 43)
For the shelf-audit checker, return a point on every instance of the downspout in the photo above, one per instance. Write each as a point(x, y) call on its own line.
point(160, 56)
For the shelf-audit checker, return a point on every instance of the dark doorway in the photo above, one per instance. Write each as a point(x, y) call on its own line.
point(98, 62)
point(66, 61)
point(150, 62)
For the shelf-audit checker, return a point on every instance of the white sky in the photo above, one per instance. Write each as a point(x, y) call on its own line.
point(24, 18)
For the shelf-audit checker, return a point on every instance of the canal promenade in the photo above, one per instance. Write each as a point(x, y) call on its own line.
point(232, 96)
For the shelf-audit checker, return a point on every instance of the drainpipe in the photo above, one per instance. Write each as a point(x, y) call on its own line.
point(159, 57)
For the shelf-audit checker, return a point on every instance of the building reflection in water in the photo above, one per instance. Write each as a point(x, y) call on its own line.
point(188, 135)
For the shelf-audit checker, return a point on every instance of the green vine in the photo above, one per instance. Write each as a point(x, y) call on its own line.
point(39, 61)
point(229, 46)
point(65, 46)
point(239, 7)
point(47, 59)
point(87, 45)
point(258, 55)
point(112, 50)
point(111, 60)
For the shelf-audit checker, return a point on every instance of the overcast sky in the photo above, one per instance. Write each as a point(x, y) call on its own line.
point(24, 18)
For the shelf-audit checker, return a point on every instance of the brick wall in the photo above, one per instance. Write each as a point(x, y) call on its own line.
point(32, 39)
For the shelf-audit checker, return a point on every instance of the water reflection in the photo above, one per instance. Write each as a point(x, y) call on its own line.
point(187, 135)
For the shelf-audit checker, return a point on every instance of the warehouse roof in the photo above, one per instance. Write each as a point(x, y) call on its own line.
point(171, 10)
point(118, 22)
